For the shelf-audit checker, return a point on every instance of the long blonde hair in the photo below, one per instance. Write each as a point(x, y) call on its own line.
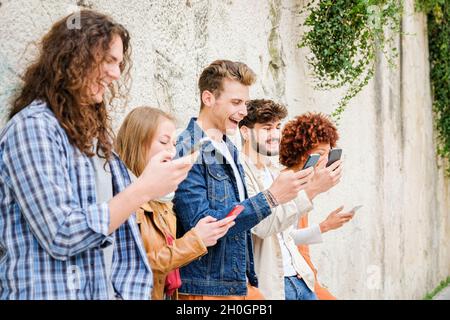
point(136, 134)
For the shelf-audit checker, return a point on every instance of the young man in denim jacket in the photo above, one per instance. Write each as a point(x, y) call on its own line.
point(216, 184)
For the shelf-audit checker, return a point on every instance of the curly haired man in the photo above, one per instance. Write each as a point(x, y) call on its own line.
point(284, 272)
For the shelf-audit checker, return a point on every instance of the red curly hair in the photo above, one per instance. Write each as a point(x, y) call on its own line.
point(303, 134)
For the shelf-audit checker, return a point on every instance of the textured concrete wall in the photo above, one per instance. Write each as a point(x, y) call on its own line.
point(398, 244)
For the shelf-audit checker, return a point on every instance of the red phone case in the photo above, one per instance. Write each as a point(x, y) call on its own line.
point(236, 210)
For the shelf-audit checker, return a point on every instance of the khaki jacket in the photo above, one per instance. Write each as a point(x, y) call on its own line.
point(267, 249)
point(155, 219)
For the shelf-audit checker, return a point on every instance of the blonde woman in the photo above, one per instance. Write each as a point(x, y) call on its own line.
point(144, 133)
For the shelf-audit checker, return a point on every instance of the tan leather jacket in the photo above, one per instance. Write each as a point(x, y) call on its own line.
point(154, 219)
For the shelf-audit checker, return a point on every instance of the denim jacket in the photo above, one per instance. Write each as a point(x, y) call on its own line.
point(211, 189)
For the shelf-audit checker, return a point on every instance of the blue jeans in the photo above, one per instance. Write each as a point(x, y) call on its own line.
point(296, 289)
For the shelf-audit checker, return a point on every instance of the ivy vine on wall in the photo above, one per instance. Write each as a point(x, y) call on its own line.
point(344, 37)
point(438, 19)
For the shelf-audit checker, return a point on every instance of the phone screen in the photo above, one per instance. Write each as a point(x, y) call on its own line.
point(312, 161)
point(333, 156)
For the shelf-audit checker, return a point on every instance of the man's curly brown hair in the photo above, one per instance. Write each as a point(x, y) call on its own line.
point(61, 73)
point(262, 111)
point(302, 134)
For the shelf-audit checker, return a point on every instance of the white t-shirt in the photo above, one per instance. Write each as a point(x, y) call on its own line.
point(223, 149)
point(288, 265)
point(104, 190)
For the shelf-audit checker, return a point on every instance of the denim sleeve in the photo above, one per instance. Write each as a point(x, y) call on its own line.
point(191, 204)
point(36, 169)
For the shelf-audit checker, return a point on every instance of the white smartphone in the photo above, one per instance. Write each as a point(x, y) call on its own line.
point(356, 208)
point(199, 144)
point(334, 155)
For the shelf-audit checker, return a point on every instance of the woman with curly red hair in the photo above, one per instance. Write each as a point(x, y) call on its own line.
point(304, 135)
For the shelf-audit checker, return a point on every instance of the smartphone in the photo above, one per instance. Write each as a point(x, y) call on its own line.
point(333, 156)
point(312, 160)
point(199, 144)
point(356, 208)
point(236, 210)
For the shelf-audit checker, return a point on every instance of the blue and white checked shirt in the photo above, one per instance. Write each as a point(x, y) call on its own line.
point(52, 230)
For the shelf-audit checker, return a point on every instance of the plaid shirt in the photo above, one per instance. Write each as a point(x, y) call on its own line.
point(52, 230)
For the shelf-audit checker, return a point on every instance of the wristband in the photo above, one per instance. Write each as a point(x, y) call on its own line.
point(270, 199)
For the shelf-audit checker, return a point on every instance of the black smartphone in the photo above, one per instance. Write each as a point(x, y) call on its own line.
point(333, 156)
point(312, 160)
